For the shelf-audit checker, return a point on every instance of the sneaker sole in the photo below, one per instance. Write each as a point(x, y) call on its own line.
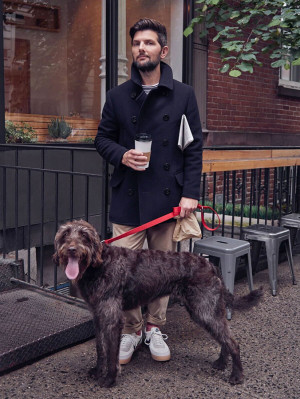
point(125, 361)
point(161, 358)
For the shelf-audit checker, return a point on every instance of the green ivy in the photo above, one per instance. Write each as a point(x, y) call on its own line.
point(240, 27)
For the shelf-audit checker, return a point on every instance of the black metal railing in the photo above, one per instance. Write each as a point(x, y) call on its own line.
point(42, 186)
point(246, 197)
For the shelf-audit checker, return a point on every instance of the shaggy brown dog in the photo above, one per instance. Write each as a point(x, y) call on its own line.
point(113, 279)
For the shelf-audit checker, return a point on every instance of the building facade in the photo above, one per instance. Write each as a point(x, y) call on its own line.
point(59, 57)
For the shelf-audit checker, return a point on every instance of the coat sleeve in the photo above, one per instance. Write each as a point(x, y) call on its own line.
point(107, 138)
point(193, 153)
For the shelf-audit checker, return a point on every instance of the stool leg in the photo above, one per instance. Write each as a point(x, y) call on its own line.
point(256, 247)
point(249, 271)
point(272, 256)
point(228, 266)
point(288, 248)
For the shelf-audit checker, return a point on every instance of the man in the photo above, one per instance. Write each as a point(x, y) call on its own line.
point(153, 102)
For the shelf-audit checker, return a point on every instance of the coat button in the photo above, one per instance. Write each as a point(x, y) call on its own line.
point(133, 119)
point(167, 191)
point(165, 142)
point(133, 95)
point(166, 117)
point(130, 192)
point(166, 166)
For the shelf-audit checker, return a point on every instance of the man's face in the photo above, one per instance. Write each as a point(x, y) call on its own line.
point(146, 51)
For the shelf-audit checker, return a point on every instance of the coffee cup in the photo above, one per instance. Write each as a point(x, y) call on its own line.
point(143, 143)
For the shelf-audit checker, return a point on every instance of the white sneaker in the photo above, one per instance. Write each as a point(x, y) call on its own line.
point(158, 348)
point(128, 345)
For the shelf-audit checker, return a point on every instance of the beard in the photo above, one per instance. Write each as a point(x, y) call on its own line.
point(148, 66)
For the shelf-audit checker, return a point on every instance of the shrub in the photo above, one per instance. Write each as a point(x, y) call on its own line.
point(246, 210)
point(87, 140)
point(20, 132)
point(58, 128)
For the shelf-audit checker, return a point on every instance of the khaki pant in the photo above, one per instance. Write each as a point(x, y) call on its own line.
point(158, 237)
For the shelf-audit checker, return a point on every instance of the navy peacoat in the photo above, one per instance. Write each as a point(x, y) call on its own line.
point(141, 196)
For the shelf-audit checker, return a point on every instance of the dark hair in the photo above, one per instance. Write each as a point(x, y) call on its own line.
point(151, 24)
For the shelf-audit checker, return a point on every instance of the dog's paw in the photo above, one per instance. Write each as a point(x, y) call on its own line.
point(219, 364)
point(236, 379)
point(93, 373)
point(106, 382)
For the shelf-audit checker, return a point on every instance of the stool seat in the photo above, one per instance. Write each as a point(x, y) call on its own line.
point(223, 245)
point(228, 250)
point(262, 232)
point(272, 236)
point(291, 220)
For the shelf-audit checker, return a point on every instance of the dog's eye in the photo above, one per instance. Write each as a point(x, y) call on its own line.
point(65, 233)
point(85, 235)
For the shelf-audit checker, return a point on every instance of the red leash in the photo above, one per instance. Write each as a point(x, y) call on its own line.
point(176, 212)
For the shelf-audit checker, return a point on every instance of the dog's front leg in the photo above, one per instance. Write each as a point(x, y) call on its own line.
point(99, 371)
point(112, 343)
point(108, 324)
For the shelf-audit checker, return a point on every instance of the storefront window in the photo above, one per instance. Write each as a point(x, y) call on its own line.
point(54, 58)
point(169, 13)
point(52, 55)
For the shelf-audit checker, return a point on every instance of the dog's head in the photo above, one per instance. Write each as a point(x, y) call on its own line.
point(77, 246)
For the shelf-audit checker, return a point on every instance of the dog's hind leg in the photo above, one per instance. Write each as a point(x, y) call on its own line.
point(221, 362)
point(208, 310)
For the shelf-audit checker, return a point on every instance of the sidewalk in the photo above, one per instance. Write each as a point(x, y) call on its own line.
point(269, 337)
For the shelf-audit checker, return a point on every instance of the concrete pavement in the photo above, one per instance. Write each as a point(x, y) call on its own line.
point(269, 337)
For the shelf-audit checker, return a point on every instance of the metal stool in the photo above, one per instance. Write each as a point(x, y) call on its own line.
point(272, 236)
point(227, 250)
point(292, 222)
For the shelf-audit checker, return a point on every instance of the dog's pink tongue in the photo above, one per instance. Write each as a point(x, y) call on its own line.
point(72, 269)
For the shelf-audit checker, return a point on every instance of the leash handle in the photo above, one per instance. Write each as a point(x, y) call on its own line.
point(202, 207)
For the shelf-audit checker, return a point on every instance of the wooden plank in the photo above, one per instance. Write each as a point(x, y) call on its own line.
point(294, 152)
point(218, 166)
point(81, 127)
point(236, 154)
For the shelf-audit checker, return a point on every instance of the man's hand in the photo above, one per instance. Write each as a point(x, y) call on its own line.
point(188, 205)
point(135, 160)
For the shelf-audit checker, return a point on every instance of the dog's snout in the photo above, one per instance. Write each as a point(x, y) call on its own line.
point(72, 251)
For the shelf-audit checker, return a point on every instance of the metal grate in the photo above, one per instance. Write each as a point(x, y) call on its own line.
point(36, 323)
point(10, 268)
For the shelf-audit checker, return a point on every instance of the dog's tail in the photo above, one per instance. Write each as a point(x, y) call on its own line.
point(244, 302)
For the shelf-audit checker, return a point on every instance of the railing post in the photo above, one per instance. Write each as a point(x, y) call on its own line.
point(2, 101)
point(297, 200)
point(111, 81)
point(187, 64)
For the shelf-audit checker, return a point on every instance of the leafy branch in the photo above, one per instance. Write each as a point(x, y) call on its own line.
point(244, 29)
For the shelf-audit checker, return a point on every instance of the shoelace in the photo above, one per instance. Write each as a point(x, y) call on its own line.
point(124, 340)
point(157, 337)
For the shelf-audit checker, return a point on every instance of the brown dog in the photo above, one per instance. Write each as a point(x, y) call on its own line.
point(113, 279)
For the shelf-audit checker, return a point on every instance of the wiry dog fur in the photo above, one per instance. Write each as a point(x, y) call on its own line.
point(113, 279)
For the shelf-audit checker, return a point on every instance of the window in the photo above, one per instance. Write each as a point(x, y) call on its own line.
point(51, 64)
point(289, 81)
point(169, 13)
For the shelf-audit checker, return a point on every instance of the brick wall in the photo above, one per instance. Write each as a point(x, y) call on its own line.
point(248, 109)
point(256, 185)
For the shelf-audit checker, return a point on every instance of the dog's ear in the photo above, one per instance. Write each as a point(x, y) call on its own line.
point(97, 252)
point(97, 255)
point(55, 258)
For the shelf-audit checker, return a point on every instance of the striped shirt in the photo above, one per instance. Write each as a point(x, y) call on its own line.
point(148, 88)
